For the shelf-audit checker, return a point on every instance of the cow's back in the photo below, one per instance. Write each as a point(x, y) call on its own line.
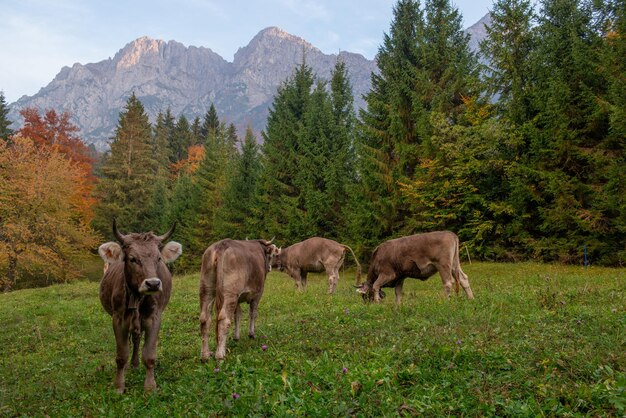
point(410, 255)
point(312, 250)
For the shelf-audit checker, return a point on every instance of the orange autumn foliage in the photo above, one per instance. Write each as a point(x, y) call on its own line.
point(61, 135)
point(195, 154)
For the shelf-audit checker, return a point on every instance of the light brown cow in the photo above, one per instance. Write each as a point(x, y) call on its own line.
point(135, 290)
point(232, 272)
point(314, 255)
point(418, 257)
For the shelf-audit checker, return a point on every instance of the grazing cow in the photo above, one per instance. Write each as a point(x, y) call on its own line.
point(314, 255)
point(135, 290)
point(418, 257)
point(232, 272)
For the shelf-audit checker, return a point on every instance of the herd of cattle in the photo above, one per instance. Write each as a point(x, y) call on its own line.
point(137, 284)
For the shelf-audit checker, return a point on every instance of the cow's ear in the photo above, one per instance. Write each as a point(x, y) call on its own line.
point(110, 252)
point(171, 251)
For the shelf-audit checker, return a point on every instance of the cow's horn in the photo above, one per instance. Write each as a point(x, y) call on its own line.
point(117, 233)
point(168, 234)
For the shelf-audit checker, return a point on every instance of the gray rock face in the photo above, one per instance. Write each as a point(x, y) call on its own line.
point(187, 80)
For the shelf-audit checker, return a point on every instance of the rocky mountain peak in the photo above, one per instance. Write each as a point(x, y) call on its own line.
point(134, 51)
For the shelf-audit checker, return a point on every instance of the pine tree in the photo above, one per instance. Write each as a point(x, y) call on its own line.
point(279, 192)
point(196, 132)
point(567, 132)
point(340, 169)
point(182, 139)
point(126, 186)
point(161, 140)
point(611, 197)
point(209, 179)
point(211, 122)
point(5, 131)
point(238, 216)
point(509, 48)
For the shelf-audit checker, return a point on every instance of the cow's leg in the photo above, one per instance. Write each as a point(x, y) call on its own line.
point(152, 326)
point(380, 282)
point(223, 322)
point(297, 278)
point(254, 308)
point(399, 291)
point(207, 300)
point(303, 275)
point(445, 271)
point(136, 341)
point(237, 321)
point(120, 328)
point(465, 284)
point(333, 278)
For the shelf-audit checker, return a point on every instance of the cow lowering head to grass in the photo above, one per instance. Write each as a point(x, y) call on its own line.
point(232, 272)
point(418, 257)
point(314, 255)
point(135, 289)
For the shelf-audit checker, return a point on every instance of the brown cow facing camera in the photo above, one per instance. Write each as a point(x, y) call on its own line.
point(232, 272)
point(135, 289)
point(418, 257)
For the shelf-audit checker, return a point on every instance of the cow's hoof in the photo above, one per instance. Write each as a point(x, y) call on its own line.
point(252, 336)
point(120, 391)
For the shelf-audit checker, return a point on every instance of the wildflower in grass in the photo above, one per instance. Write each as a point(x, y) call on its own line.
point(459, 342)
point(344, 370)
point(346, 311)
point(263, 347)
point(216, 370)
point(235, 395)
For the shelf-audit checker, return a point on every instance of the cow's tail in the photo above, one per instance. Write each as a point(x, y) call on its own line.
point(208, 281)
point(456, 265)
point(358, 266)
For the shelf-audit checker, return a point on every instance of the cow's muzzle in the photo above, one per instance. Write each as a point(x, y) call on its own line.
point(150, 286)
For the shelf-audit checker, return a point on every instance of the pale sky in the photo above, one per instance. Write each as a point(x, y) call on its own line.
point(39, 37)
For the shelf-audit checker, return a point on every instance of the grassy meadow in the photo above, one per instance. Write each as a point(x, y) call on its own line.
point(538, 340)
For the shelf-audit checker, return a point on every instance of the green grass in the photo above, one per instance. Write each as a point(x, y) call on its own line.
point(538, 340)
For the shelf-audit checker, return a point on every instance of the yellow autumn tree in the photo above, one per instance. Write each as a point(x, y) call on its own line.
point(43, 230)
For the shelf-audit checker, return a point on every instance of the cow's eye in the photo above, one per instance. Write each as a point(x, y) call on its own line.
point(134, 260)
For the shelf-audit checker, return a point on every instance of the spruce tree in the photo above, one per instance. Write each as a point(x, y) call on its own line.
point(279, 192)
point(509, 49)
point(568, 130)
point(5, 131)
point(182, 139)
point(126, 185)
point(211, 122)
point(238, 216)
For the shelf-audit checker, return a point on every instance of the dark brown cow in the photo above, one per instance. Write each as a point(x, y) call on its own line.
point(418, 257)
point(135, 290)
point(232, 272)
point(314, 255)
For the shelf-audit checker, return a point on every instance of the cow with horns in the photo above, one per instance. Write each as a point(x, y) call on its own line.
point(135, 290)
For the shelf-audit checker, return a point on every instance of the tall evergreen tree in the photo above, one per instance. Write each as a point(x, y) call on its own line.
point(509, 49)
point(5, 131)
point(182, 139)
point(425, 66)
point(279, 192)
point(211, 122)
point(568, 128)
point(237, 217)
point(126, 186)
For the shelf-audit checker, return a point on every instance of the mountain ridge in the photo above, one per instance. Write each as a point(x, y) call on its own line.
point(187, 79)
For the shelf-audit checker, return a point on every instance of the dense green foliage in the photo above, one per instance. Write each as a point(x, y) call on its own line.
point(538, 340)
